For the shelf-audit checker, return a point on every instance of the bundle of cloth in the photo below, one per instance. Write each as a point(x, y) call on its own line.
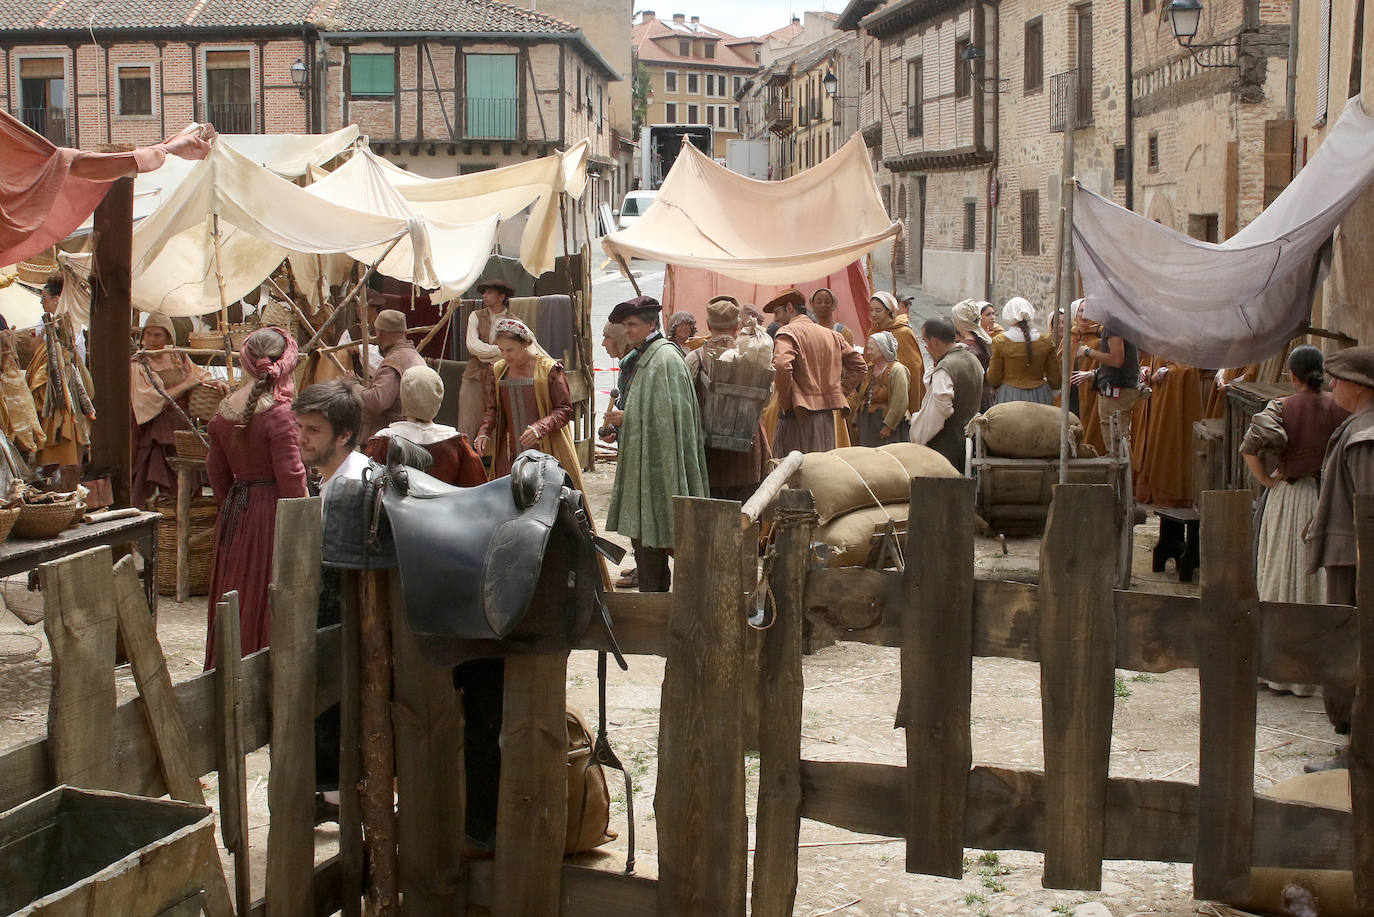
point(859, 491)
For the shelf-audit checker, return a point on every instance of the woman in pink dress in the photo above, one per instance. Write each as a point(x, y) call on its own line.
point(254, 460)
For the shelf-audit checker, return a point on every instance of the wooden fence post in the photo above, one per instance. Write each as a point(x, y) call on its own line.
point(1361, 752)
point(699, 800)
point(294, 598)
point(532, 813)
point(1077, 674)
point(350, 748)
point(379, 756)
point(1228, 667)
point(780, 693)
point(429, 776)
point(233, 788)
point(79, 617)
point(937, 672)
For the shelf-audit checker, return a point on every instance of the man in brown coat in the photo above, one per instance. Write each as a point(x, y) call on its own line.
point(815, 369)
point(382, 397)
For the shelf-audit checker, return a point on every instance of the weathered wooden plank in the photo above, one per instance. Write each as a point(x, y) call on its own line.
point(165, 726)
point(24, 769)
point(379, 764)
point(780, 690)
point(586, 892)
point(79, 617)
point(111, 280)
point(1227, 648)
point(429, 776)
point(1146, 819)
point(1077, 669)
point(348, 660)
point(751, 666)
point(1361, 751)
point(641, 624)
point(532, 811)
point(233, 789)
point(699, 804)
point(937, 673)
point(326, 879)
point(294, 598)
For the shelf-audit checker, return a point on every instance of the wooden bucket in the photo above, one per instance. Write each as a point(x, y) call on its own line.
point(735, 398)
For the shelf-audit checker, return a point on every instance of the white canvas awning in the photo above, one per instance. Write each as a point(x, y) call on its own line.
point(1228, 304)
point(763, 232)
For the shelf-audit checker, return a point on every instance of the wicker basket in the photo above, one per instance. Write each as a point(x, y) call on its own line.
point(200, 558)
point(203, 402)
point(8, 517)
point(281, 315)
point(36, 273)
point(46, 520)
point(214, 340)
point(189, 445)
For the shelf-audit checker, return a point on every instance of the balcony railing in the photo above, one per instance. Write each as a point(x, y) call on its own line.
point(915, 121)
point(230, 117)
point(492, 119)
point(50, 122)
point(778, 117)
point(1071, 97)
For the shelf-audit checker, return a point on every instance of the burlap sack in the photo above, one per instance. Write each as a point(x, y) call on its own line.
point(837, 478)
point(850, 536)
point(1285, 891)
point(1024, 429)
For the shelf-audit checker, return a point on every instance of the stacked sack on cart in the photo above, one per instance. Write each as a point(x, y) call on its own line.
point(1025, 430)
point(861, 493)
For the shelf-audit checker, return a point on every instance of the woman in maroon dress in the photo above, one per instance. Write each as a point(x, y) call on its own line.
point(254, 460)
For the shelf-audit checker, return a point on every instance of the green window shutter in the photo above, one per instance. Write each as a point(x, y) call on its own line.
point(493, 103)
point(372, 75)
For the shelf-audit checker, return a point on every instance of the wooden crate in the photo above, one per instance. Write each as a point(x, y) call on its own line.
point(80, 852)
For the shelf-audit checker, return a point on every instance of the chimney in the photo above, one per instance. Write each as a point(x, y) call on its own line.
point(647, 15)
point(679, 18)
point(696, 20)
point(796, 20)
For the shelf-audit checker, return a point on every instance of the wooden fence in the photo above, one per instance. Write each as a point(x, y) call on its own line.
point(1073, 623)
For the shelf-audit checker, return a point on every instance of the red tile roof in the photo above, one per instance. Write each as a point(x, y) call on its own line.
point(655, 42)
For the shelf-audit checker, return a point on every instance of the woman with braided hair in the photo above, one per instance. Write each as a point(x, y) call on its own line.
point(254, 460)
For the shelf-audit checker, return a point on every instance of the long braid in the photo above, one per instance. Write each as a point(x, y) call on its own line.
point(255, 394)
point(264, 342)
point(1024, 325)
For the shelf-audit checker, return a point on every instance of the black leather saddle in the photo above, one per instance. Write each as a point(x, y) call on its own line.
point(506, 567)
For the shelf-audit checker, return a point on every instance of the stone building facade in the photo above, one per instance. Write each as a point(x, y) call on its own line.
point(432, 92)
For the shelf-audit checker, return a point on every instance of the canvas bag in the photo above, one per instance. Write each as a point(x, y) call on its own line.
point(589, 798)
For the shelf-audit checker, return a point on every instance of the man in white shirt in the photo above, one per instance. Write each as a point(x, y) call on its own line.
point(954, 389)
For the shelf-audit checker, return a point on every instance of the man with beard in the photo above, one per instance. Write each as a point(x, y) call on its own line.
point(381, 399)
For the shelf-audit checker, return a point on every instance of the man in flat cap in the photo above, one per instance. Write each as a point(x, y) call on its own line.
point(1347, 470)
point(815, 369)
point(660, 437)
point(381, 398)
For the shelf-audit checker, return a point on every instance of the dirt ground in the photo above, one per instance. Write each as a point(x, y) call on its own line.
point(850, 700)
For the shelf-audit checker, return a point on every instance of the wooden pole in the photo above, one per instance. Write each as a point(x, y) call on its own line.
point(294, 598)
point(223, 300)
point(233, 787)
point(763, 498)
point(1228, 667)
point(629, 274)
point(440, 324)
point(780, 692)
point(1361, 751)
point(357, 288)
point(1077, 675)
point(699, 803)
point(110, 325)
point(1063, 277)
point(350, 745)
point(937, 673)
point(365, 338)
point(379, 763)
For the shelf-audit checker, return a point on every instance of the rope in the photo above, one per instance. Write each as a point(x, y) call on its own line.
point(898, 551)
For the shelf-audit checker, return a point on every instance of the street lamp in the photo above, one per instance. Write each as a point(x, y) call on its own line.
point(1185, 16)
point(300, 74)
point(830, 83)
point(971, 56)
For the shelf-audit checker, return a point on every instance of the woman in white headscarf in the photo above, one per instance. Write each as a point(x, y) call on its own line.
point(1024, 365)
point(882, 396)
point(967, 317)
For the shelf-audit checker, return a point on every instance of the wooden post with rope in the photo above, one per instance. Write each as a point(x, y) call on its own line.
point(223, 300)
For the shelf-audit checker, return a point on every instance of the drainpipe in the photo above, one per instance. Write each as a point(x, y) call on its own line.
point(990, 229)
point(1291, 92)
point(1130, 103)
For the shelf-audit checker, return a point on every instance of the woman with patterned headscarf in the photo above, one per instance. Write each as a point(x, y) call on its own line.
point(528, 403)
point(254, 461)
point(967, 317)
point(882, 417)
point(1024, 364)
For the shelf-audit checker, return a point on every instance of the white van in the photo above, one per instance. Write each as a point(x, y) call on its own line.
point(634, 206)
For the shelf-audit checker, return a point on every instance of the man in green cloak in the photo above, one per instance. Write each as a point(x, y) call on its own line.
point(662, 454)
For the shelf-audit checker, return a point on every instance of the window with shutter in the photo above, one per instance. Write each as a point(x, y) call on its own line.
point(371, 76)
point(962, 82)
point(493, 102)
point(135, 91)
point(693, 83)
point(1034, 75)
point(970, 224)
point(670, 81)
point(915, 98)
point(1030, 222)
point(692, 113)
point(670, 113)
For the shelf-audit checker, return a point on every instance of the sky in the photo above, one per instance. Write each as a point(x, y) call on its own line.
point(739, 17)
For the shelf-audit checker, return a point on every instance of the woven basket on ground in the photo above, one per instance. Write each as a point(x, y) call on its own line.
point(200, 558)
point(7, 519)
point(45, 520)
point(203, 402)
point(189, 445)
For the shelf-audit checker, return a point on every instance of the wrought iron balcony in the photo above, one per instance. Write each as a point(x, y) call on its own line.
point(492, 119)
point(50, 122)
point(778, 117)
point(1071, 99)
point(230, 117)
